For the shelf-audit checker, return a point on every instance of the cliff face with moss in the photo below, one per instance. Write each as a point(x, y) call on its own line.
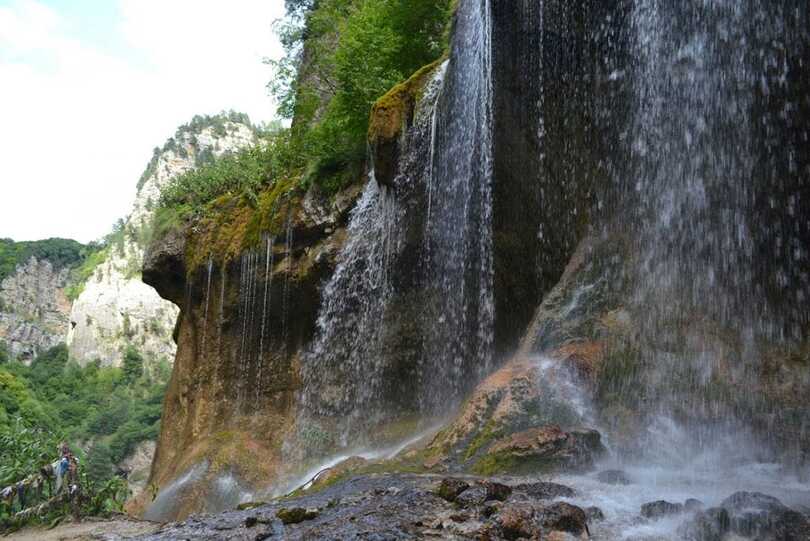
point(115, 309)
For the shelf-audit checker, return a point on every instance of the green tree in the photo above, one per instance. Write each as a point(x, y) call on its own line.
point(99, 462)
point(133, 364)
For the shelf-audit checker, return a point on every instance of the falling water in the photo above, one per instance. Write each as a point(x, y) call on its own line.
point(266, 300)
point(285, 298)
point(458, 238)
point(690, 192)
point(207, 300)
point(407, 324)
point(354, 302)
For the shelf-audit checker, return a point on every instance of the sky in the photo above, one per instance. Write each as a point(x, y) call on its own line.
point(89, 87)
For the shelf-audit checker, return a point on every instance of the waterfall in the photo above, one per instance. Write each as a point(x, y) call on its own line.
point(692, 192)
point(407, 325)
point(209, 269)
point(458, 327)
point(266, 300)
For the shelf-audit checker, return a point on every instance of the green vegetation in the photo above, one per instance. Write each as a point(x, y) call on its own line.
point(244, 173)
point(60, 253)
point(220, 124)
point(103, 412)
point(356, 51)
point(83, 272)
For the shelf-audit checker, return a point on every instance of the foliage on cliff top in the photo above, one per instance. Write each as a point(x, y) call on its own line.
point(221, 125)
point(342, 55)
point(60, 253)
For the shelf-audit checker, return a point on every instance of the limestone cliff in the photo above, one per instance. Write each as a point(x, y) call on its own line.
point(34, 310)
point(116, 308)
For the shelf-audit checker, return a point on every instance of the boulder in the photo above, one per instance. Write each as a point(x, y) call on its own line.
point(613, 477)
point(294, 515)
point(564, 517)
point(594, 513)
point(526, 520)
point(450, 488)
point(518, 520)
point(710, 525)
point(660, 509)
point(544, 490)
point(757, 515)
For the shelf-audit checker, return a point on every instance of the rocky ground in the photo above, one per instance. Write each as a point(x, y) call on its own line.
point(410, 506)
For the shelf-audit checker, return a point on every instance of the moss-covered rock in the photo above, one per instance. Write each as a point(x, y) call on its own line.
point(391, 115)
point(295, 515)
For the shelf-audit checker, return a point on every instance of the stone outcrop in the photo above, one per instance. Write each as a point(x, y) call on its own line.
point(116, 309)
point(34, 310)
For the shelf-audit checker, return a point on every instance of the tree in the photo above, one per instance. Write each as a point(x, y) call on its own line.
point(99, 462)
point(133, 364)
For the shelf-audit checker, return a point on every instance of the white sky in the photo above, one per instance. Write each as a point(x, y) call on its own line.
point(89, 87)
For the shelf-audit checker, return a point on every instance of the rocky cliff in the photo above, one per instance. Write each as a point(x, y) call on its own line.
point(34, 310)
point(116, 308)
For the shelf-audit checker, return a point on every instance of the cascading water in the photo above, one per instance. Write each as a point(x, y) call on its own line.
point(691, 186)
point(372, 356)
point(458, 237)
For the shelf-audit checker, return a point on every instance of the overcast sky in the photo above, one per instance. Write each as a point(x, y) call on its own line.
point(89, 87)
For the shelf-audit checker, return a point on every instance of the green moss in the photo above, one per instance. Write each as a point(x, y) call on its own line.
point(294, 515)
point(483, 438)
point(391, 111)
point(503, 463)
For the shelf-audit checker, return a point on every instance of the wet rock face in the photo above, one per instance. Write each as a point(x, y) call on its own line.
point(34, 311)
point(556, 108)
point(613, 477)
point(390, 507)
point(242, 325)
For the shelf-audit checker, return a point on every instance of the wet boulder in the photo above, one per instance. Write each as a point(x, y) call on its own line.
point(544, 490)
point(594, 513)
point(295, 515)
point(613, 477)
point(757, 515)
point(518, 520)
point(496, 491)
point(564, 517)
point(526, 520)
point(472, 497)
point(692, 505)
point(710, 525)
point(660, 509)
